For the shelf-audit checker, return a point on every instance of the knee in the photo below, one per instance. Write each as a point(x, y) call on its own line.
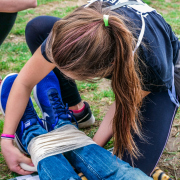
point(34, 33)
point(32, 27)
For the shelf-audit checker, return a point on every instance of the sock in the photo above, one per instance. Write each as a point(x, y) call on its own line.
point(79, 111)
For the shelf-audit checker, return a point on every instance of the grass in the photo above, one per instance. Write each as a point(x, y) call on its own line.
point(84, 86)
point(61, 12)
point(13, 56)
point(170, 12)
point(1, 125)
point(46, 1)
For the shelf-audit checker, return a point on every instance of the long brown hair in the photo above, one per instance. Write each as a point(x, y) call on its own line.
point(80, 43)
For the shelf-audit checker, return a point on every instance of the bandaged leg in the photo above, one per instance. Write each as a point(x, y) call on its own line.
point(46, 149)
point(63, 139)
point(97, 163)
point(92, 160)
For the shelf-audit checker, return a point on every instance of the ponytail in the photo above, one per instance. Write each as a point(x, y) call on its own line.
point(127, 89)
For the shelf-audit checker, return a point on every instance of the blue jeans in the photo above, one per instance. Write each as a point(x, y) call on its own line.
point(93, 161)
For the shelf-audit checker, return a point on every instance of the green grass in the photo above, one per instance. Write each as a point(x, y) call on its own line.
point(84, 86)
point(61, 12)
point(40, 2)
point(21, 21)
point(13, 56)
point(1, 125)
point(170, 12)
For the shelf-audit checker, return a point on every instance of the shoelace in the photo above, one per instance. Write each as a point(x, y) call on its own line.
point(61, 111)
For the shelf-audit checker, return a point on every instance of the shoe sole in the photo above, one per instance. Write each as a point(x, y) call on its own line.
point(87, 123)
point(38, 103)
point(16, 138)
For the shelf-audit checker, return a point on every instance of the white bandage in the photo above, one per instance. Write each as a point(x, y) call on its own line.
point(63, 139)
point(28, 167)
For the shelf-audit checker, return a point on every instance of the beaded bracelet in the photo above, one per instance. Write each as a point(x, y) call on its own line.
point(7, 136)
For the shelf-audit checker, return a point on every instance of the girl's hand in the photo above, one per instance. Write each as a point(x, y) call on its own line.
point(14, 157)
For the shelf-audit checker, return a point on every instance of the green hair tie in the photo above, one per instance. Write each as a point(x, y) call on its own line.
point(106, 18)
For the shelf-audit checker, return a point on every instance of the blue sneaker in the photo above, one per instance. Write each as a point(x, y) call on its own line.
point(42, 96)
point(47, 95)
point(29, 117)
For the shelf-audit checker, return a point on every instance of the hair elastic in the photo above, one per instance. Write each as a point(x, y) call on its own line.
point(106, 18)
point(7, 136)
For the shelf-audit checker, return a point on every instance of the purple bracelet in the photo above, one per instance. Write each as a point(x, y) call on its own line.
point(7, 136)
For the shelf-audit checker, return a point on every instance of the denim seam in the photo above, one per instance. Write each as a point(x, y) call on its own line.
point(89, 167)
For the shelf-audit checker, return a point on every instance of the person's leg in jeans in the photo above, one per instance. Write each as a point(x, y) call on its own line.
point(158, 113)
point(52, 167)
point(6, 23)
point(94, 161)
point(97, 163)
point(30, 126)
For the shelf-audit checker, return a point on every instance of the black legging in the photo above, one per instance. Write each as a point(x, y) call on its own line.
point(6, 23)
point(158, 111)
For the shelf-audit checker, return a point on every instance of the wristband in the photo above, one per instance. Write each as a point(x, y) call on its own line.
point(7, 136)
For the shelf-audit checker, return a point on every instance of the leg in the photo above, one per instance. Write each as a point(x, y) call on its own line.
point(37, 30)
point(43, 96)
point(30, 127)
point(6, 23)
point(53, 167)
point(56, 168)
point(92, 160)
point(97, 163)
point(158, 113)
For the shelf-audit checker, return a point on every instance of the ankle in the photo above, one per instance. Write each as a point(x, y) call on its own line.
point(79, 111)
point(78, 107)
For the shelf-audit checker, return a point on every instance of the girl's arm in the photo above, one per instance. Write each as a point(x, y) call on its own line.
point(33, 71)
point(16, 5)
point(105, 132)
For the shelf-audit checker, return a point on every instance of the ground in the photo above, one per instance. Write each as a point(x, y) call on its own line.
point(14, 53)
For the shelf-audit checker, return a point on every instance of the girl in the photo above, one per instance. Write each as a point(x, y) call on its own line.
point(131, 45)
